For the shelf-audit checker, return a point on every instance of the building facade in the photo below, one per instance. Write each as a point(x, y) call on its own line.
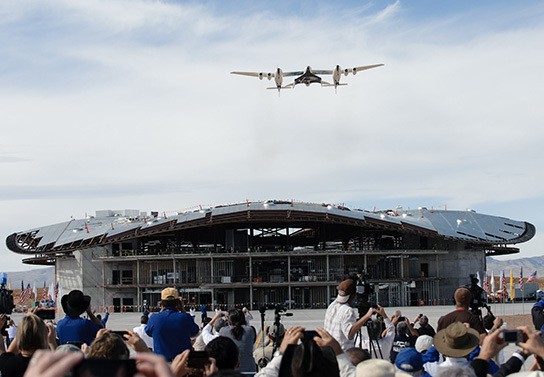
point(269, 253)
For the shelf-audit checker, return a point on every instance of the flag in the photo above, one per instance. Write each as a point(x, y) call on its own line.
point(486, 285)
point(479, 279)
point(35, 292)
point(531, 277)
point(521, 279)
point(512, 288)
point(51, 292)
point(503, 282)
point(25, 293)
point(492, 283)
point(44, 292)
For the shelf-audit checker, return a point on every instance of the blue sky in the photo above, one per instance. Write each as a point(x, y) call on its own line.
point(129, 104)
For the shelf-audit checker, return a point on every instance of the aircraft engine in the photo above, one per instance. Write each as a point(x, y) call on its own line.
point(346, 72)
point(269, 75)
point(354, 70)
point(260, 75)
point(336, 72)
point(279, 77)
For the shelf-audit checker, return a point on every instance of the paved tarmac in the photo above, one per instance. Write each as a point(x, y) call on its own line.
point(312, 318)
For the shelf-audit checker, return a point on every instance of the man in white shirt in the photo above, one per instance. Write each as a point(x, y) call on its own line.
point(140, 330)
point(341, 319)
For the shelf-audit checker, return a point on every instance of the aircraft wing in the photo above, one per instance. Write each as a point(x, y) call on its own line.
point(364, 68)
point(252, 74)
point(296, 73)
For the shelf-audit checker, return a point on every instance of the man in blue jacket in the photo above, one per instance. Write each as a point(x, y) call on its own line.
point(73, 328)
point(171, 329)
point(538, 315)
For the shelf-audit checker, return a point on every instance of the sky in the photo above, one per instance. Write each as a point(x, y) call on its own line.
point(130, 105)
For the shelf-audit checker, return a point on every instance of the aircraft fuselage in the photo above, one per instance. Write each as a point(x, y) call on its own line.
point(308, 78)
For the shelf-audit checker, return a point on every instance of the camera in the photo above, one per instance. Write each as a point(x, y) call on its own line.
point(309, 335)
point(105, 368)
point(44, 314)
point(478, 296)
point(6, 301)
point(198, 359)
point(513, 336)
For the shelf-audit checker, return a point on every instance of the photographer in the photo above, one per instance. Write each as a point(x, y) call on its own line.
point(244, 338)
point(341, 319)
point(463, 300)
point(381, 333)
point(6, 304)
point(263, 355)
point(72, 327)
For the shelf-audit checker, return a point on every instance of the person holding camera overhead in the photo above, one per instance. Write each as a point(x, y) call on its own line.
point(171, 329)
point(243, 336)
point(341, 319)
point(73, 328)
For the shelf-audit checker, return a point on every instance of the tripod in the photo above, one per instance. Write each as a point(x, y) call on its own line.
point(374, 340)
point(263, 361)
point(374, 347)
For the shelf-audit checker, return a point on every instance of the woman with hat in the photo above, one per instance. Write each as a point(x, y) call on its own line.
point(73, 328)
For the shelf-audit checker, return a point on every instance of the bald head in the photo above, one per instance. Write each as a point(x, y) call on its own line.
point(462, 297)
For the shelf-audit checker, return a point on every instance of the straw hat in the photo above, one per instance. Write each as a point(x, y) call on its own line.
point(456, 340)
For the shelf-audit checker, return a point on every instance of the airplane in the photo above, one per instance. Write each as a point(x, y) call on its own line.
point(308, 76)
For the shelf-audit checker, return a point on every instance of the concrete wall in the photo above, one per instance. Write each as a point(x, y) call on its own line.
point(80, 272)
point(455, 269)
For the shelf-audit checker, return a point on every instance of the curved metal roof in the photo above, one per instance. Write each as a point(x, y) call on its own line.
point(104, 229)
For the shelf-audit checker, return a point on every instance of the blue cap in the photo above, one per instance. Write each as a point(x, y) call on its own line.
point(409, 360)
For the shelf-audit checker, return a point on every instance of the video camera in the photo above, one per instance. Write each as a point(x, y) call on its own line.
point(363, 289)
point(6, 301)
point(478, 296)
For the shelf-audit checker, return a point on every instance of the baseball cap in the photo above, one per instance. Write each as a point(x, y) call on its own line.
point(169, 294)
point(423, 343)
point(377, 368)
point(409, 360)
point(345, 290)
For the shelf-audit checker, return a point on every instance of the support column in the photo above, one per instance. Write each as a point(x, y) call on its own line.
point(289, 279)
point(103, 286)
point(250, 278)
point(327, 269)
point(138, 293)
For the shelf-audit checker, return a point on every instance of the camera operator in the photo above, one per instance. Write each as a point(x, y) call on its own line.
point(341, 320)
point(478, 296)
point(6, 304)
point(463, 300)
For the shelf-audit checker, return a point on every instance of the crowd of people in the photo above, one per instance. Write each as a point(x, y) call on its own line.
point(354, 342)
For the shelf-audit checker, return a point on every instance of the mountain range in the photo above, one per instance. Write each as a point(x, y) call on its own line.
point(529, 266)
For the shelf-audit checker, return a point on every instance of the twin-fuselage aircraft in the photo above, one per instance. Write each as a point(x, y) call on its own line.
point(308, 76)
